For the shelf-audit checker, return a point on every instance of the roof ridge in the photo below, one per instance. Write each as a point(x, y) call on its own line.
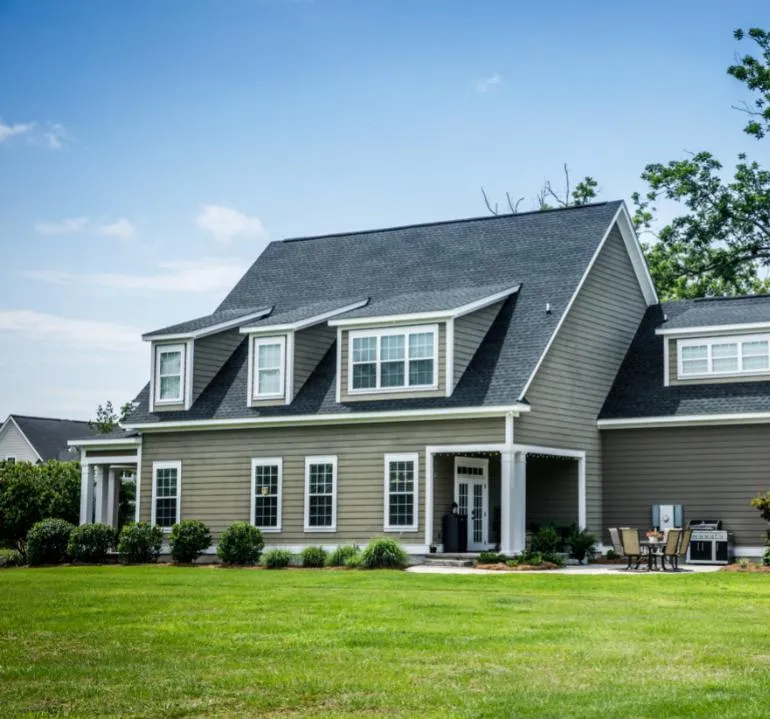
point(732, 297)
point(457, 221)
point(47, 419)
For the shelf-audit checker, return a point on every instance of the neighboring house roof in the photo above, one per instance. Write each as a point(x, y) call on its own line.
point(719, 312)
point(48, 437)
point(546, 253)
point(638, 391)
point(221, 319)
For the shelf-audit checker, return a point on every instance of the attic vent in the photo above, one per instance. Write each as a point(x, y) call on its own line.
point(548, 308)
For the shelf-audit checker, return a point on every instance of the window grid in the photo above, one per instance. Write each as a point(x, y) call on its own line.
point(320, 494)
point(401, 492)
point(267, 494)
point(269, 359)
point(169, 373)
point(724, 356)
point(393, 360)
point(166, 495)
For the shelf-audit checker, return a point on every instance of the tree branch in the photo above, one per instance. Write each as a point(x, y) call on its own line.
point(486, 202)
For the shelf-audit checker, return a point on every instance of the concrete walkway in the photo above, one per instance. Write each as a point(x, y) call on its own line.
point(616, 569)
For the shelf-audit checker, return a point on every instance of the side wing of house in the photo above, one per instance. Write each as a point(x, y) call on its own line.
point(14, 445)
point(568, 389)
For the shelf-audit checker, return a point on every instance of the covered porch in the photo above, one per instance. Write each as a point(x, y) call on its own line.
point(503, 492)
point(103, 464)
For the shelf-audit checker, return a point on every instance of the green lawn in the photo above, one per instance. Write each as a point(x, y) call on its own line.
point(199, 642)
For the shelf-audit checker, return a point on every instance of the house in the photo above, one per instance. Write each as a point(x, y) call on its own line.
point(38, 439)
point(359, 384)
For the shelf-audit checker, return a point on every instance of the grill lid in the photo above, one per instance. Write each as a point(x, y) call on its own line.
point(705, 524)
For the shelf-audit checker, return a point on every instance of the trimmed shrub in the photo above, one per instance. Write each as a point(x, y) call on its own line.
point(340, 556)
point(354, 561)
point(581, 544)
point(189, 539)
point(546, 541)
point(492, 558)
point(277, 558)
point(241, 543)
point(139, 543)
point(766, 557)
point(11, 558)
point(47, 542)
point(384, 553)
point(314, 557)
point(554, 558)
point(89, 543)
point(611, 554)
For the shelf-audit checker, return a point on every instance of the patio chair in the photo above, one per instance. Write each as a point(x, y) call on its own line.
point(617, 545)
point(670, 548)
point(684, 545)
point(631, 547)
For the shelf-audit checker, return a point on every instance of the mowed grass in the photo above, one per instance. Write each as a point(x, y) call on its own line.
point(199, 642)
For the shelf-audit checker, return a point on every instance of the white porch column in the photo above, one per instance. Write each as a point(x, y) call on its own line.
point(519, 505)
point(86, 494)
point(101, 494)
point(113, 489)
point(506, 501)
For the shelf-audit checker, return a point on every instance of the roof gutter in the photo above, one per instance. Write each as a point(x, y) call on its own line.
point(320, 419)
point(690, 420)
point(118, 442)
point(711, 329)
point(206, 331)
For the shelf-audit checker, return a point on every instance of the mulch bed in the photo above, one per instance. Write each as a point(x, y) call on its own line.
point(751, 569)
point(500, 567)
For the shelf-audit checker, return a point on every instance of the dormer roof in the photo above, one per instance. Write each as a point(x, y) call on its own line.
point(715, 314)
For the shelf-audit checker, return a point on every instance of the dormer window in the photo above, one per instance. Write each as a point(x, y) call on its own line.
point(269, 367)
point(393, 358)
point(169, 374)
point(724, 356)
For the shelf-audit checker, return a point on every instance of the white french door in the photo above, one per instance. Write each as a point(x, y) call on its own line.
point(472, 497)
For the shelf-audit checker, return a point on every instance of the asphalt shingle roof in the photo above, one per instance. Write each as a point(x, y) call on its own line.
point(638, 390)
point(305, 312)
point(710, 312)
point(544, 252)
point(202, 323)
point(49, 436)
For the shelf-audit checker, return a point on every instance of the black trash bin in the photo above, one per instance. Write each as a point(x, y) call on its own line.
point(462, 532)
point(455, 532)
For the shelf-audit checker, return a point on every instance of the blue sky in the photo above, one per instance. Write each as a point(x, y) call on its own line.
point(149, 151)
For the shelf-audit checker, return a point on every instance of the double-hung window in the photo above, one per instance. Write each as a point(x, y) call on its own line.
point(269, 364)
point(10, 459)
point(320, 494)
point(169, 374)
point(724, 356)
point(166, 493)
point(392, 359)
point(266, 486)
point(401, 492)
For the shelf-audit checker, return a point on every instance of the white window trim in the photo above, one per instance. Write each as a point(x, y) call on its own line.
point(267, 462)
point(413, 457)
point(327, 459)
point(709, 342)
point(10, 457)
point(157, 350)
point(177, 465)
point(390, 331)
point(256, 343)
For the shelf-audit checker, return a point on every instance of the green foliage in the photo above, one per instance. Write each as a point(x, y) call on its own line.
point(47, 542)
point(29, 493)
point(766, 557)
point(515, 562)
point(106, 418)
point(534, 559)
point(11, 558)
point(313, 557)
point(89, 543)
point(354, 561)
point(546, 540)
point(384, 553)
point(126, 503)
point(611, 554)
point(744, 562)
point(492, 558)
point(581, 544)
point(755, 74)
point(189, 539)
point(762, 504)
point(140, 543)
point(277, 558)
point(341, 554)
point(241, 543)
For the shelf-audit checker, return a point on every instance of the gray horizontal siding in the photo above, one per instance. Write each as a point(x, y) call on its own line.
point(714, 472)
point(13, 444)
point(552, 491)
point(579, 369)
point(216, 470)
point(469, 331)
point(310, 346)
point(209, 356)
point(407, 394)
point(673, 360)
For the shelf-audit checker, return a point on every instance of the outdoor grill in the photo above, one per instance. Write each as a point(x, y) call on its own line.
point(709, 543)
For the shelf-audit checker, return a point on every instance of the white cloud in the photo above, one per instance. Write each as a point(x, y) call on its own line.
point(54, 136)
point(486, 84)
point(20, 128)
point(224, 224)
point(64, 227)
point(81, 333)
point(183, 276)
point(121, 228)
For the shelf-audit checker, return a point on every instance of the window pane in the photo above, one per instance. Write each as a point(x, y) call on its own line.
point(321, 479)
point(165, 512)
point(695, 366)
point(724, 350)
point(269, 381)
point(401, 476)
point(170, 387)
point(165, 482)
point(364, 349)
point(401, 510)
point(755, 348)
point(266, 480)
point(695, 352)
point(755, 356)
point(170, 363)
point(392, 374)
point(421, 345)
point(364, 376)
point(392, 348)
point(265, 511)
point(728, 364)
point(269, 356)
point(320, 511)
point(421, 372)
point(759, 363)
point(724, 357)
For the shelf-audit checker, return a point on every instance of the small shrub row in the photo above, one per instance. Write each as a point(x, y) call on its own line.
point(342, 554)
point(313, 557)
point(11, 558)
point(240, 544)
point(277, 558)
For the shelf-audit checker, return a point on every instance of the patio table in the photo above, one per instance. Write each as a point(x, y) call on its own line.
point(652, 556)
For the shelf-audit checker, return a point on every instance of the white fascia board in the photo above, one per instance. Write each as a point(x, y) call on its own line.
point(432, 316)
point(120, 442)
point(690, 420)
point(206, 331)
point(712, 329)
point(302, 324)
point(357, 418)
point(24, 436)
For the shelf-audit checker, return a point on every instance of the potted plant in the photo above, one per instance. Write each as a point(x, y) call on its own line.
point(655, 535)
